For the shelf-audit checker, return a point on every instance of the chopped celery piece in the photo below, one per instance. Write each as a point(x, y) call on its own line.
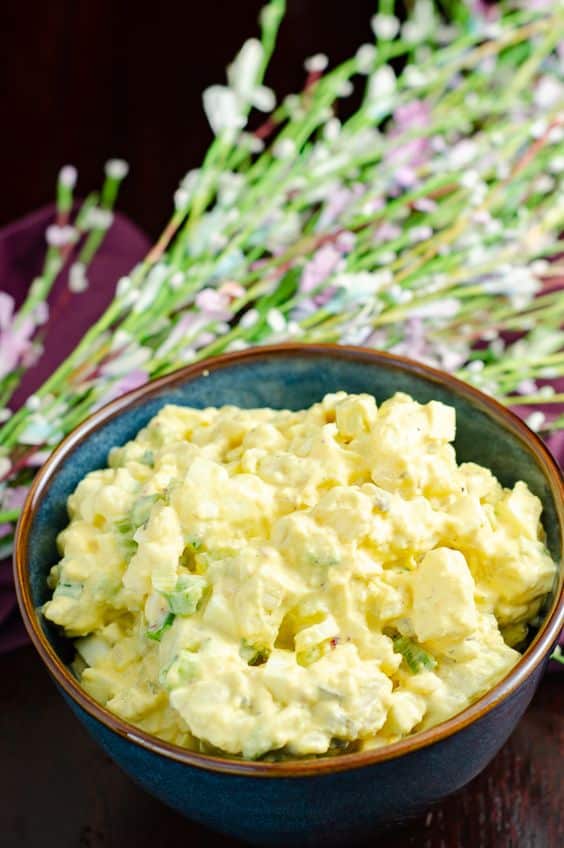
point(182, 670)
point(416, 658)
point(141, 509)
point(68, 590)
point(188, 594)
point(155, 633)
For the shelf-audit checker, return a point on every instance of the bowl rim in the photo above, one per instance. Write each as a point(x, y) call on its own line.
point(535, 654)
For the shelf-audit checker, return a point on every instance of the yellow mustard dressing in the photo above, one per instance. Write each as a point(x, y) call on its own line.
point(254, 581)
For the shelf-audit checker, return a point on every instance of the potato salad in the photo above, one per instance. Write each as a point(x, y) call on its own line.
point(267, 583)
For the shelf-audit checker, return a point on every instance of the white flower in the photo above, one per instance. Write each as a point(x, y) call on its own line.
point(5, 463)
point(275, 320)
point(385, 27)
point(181, 199)
point(67, 176)
point(124, 285)
point(460, 156)
point(316, 64)
point(60, 236)
point(538, 128)
point(5, 415)
point(116, 169)
point(536, 420)
point(527, 387)
point(132, 358)
point(176, 280)
point(251, 142)
point(421, 233)
point(36, 432)
point(421, 24)
point(98, 219)
point(78, 281)
point(223, 109)
point(360, 286)
point(381, 86)
point(242, 77)
point(332, 129)
point(548, 92)
point(556, 135)
point(284, 148)
point(448, 307)
point(365, 58)
point(249, 319)
point(345, 89)
point(151, 286)
point(414, 76)
point(41, 313)
point(229, 186)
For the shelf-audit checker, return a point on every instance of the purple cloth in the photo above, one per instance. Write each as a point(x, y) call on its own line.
point(22, 248)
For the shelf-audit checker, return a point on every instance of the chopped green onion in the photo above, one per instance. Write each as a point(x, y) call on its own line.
point(155, 633)
point(188, 594)
point(416, 658)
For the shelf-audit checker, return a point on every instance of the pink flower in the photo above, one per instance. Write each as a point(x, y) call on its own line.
point(5, 530)
point(14, 497)
point(323, 262)
point(39, 457)
point(15, 337)
point(413, 152)
point(486, 10)
point(214, 304)
point(231, 290)
point(338, 202)
point(137, 377)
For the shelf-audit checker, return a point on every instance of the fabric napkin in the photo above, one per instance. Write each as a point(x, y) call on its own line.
point(22, 248)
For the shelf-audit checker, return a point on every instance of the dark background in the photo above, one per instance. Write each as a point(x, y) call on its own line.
point(85, 80)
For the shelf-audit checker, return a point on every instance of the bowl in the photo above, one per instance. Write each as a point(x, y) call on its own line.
point(335, 800)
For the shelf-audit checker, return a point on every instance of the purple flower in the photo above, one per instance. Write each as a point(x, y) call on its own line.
point(216, 305)
point(337, 203)
point(15, 337)
point(490, 12)
point(14, 497)
point(323, 262)
point(412, 153)
point(137, 377)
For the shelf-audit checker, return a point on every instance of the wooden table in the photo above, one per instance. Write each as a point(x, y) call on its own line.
point(59, 790)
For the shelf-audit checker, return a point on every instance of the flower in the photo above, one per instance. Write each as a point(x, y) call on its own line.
point(15, 336)
point(57, 236)
point(226, 106)
point(132, 380)
point(323, 262)
point(385, 27)
point(379, 92)
point(215, 305)
point(78, 281)
point(116, 169)
point(421, 24)
point(67, 176)
point(316, 64)
point(223, 109)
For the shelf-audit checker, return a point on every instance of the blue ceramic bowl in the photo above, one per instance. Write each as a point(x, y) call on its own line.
point(315, 802)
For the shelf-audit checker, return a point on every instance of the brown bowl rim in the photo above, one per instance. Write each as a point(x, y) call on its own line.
point(533, 656)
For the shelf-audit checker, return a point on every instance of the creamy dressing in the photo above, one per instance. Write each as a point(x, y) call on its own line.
point(253, 581)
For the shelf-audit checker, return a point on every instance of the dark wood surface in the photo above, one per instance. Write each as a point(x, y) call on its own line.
point(59, 790)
